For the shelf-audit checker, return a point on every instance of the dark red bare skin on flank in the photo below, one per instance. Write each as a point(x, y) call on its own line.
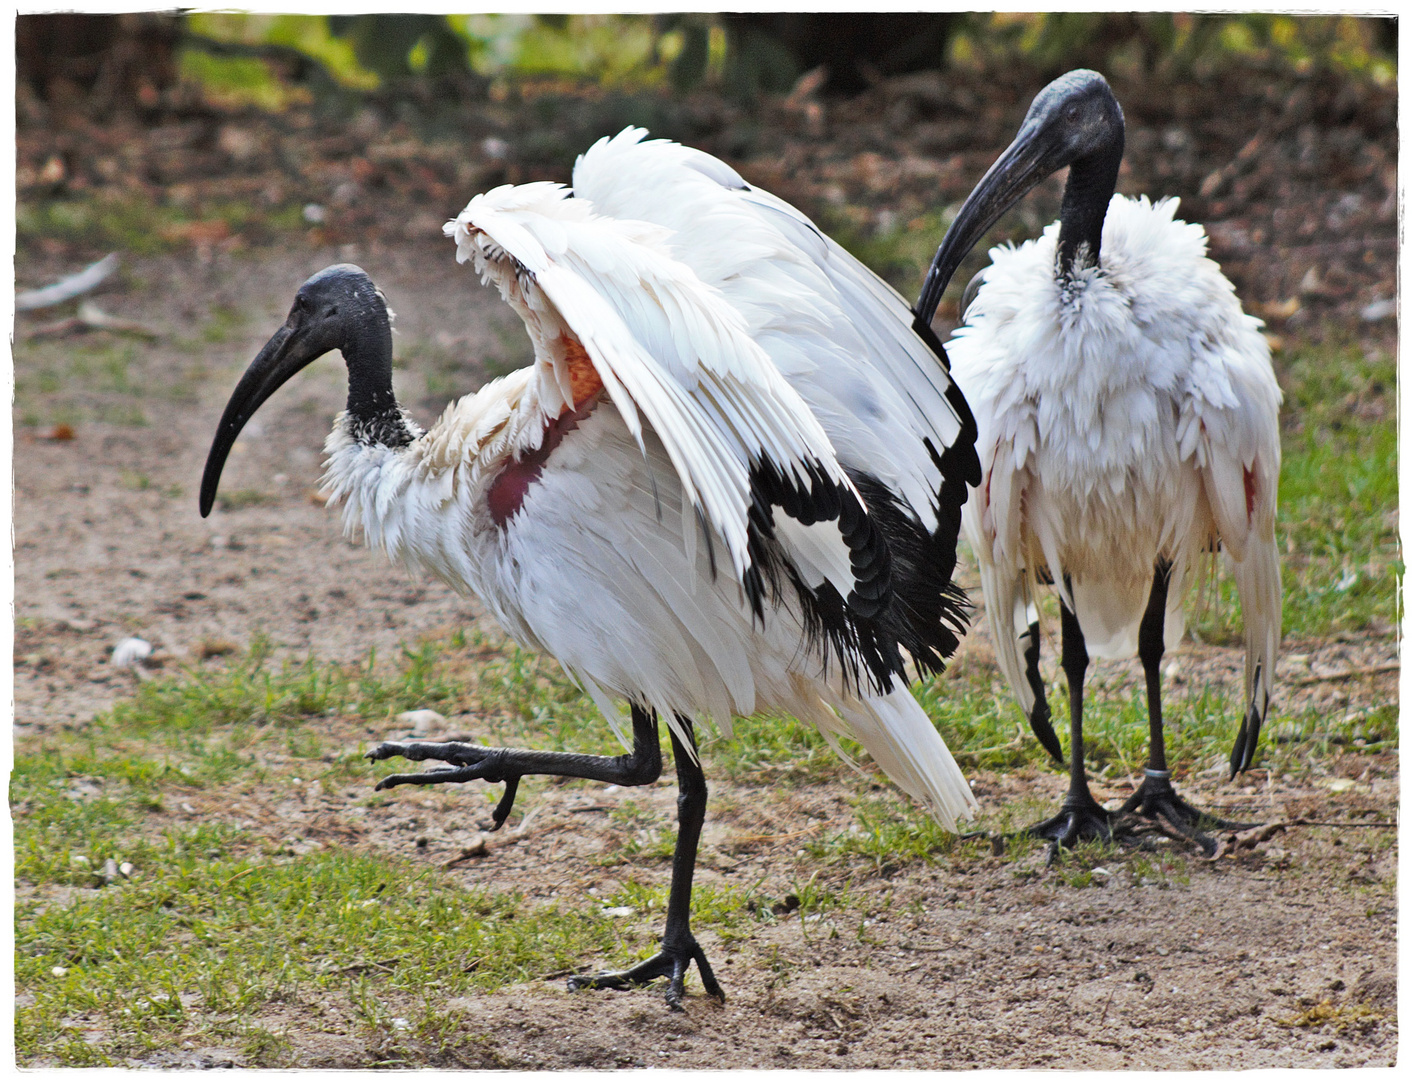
point(508, 490)
point(1249, 494)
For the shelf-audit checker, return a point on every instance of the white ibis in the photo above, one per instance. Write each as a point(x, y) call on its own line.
point(730, 482)
point(1128, 430)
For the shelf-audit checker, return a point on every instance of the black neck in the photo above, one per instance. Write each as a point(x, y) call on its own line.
point(1092, 181)
point(376, 417)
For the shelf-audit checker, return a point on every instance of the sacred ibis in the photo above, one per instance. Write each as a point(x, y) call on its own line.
point(730, 481)
point(1128, 430)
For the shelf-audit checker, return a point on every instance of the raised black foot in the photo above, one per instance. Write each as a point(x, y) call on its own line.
point(1080, 818)
point(670, 962)
point(468, 761)
point(1157, 800)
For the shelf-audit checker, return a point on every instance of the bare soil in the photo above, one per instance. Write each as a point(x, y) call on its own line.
point(1283, 955)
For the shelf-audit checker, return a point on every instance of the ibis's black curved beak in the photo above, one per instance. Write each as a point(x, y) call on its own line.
point(283, 357)
point(1025, 162)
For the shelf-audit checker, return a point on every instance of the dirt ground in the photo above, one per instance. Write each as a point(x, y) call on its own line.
point(1281, 956)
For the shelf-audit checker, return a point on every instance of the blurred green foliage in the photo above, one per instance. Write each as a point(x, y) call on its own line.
point(366, 52)
point(1178, 43)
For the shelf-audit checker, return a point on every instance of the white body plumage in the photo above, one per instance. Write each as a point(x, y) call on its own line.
point(1126, 415)
point(686, 328)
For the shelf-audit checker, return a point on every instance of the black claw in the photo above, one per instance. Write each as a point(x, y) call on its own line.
point(1157, 800)
point(672, 965)
point(506, 803)
point(708, 977)
point(1080, 818)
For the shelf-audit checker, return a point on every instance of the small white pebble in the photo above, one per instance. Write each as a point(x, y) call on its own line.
point(129, 651)
point(315, 214)
point(58, 972)
point(495, 149)
point(618, 912)
point(421, 721)
point(400, 1022)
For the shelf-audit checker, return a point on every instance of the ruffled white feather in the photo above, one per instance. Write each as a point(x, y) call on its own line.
point(1127, 416)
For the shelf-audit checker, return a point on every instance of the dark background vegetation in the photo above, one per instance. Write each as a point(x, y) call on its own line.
point(154, 131)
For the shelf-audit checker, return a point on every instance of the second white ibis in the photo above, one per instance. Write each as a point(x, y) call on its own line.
point(1128, 419)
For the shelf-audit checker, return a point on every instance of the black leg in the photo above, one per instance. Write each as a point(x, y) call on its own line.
point(496, 764)
point(1080, 818)
point(1155, 796)
point(679, 946)
point(1039, 715)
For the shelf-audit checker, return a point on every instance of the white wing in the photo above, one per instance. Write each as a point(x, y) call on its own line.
point(836, 331)
point(663, 342)
point(598, 544)
point(991, 523)
point(1230, 427)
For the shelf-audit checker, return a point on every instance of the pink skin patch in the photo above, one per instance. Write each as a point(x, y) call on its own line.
point(508, 490)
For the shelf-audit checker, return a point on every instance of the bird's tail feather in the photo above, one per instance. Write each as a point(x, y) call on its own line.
point(1257, 579)
point(900, 737)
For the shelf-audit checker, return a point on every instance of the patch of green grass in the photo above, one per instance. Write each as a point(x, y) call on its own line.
point(773, 749)
point(223, 323)
point(197, 944)
point(217, 925)
point(984, 728)
point(1162, 870)
point(92, 377)
point(126, 223)
point(97, 365)
point(252, 693)
point(887, 832)
point(244, 498)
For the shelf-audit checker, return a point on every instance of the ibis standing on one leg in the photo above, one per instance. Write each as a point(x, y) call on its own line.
point(1128, 430)
point(731, 480)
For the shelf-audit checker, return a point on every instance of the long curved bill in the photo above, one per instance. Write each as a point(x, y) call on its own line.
point(1014, 173)
point(277, 363)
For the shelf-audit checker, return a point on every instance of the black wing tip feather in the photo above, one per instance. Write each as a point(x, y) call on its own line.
point(904, 599)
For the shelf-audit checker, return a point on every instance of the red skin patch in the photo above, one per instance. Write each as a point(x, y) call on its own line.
point(583, 376)
point(508, 490)
point(1249, 494)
